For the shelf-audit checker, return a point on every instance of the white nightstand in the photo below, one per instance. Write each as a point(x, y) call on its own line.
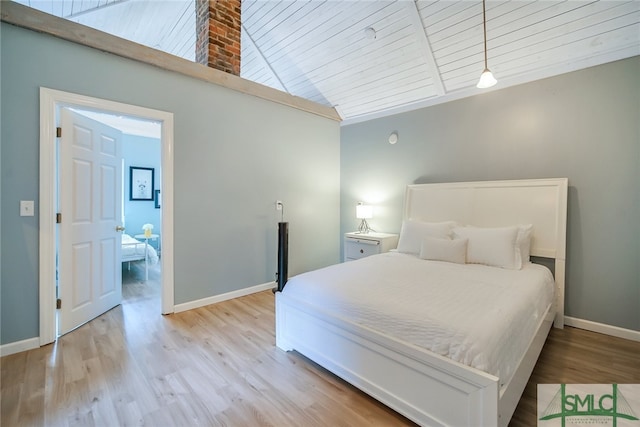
point(146, 246)
point(145, 238)
point(360, 245)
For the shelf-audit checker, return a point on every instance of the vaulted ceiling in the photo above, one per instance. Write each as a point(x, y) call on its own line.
point(372, 58)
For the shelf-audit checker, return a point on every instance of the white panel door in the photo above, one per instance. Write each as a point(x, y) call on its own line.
point(90, 199)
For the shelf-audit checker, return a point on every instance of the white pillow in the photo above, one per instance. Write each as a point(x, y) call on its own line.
point(523, 244)
point(413, 232)
point(491, 246)
point(437, 249)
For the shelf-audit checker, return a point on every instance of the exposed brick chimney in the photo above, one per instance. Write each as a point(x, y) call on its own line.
point(218, 28)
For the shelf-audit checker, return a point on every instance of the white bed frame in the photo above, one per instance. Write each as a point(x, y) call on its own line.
point(137, 257)
point(423, 386)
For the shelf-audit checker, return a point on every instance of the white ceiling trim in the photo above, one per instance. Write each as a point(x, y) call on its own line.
point(425, 47)
point(93, 9)
point(339, 111)
point(264, 61)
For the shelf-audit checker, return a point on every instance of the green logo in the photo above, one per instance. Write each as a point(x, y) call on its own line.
point(589, 407)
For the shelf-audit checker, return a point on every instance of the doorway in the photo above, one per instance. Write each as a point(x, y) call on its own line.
point(50, 102)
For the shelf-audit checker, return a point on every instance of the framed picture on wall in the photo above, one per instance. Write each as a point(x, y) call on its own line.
point(140, 183)
point(157, 199)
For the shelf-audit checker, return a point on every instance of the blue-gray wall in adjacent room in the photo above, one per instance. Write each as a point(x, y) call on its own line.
point(234, 156)
point(140, 151)
point(583, 125)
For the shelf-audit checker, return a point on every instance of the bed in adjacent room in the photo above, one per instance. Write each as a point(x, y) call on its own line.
point(135, 250)
point(446, 329)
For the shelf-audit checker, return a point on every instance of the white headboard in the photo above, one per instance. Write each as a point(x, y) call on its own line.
point(541, 202)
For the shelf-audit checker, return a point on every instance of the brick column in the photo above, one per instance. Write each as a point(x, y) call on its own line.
point(218, 29)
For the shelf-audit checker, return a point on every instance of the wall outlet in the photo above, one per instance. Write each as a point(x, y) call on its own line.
point(278, 205)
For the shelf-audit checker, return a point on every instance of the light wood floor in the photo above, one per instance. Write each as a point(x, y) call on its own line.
point(218, 366)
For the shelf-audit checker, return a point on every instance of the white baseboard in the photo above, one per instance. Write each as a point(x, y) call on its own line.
point(601, 328)
point(223, 297)
point(19, 346)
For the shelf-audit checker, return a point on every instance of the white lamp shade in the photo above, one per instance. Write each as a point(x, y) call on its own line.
point(486, 79)
point(364, 211)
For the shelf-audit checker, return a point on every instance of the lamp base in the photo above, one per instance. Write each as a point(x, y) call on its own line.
point(364, 228)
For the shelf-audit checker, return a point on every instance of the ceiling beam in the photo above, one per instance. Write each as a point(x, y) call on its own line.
point(425, 46)
point(264, 61)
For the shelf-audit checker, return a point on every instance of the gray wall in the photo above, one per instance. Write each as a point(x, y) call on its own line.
point(583, 125)
point(235, 155)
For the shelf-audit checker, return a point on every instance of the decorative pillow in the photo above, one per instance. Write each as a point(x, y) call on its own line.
point(436, 249)
point(413, 231)
point(491, 246)
point(523, 244)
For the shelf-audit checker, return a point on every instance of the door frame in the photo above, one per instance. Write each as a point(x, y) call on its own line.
point(50, 99)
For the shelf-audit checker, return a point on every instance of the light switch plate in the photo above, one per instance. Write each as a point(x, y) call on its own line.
point(26, 207)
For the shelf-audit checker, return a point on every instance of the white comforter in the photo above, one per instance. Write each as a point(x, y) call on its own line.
point(481, 316)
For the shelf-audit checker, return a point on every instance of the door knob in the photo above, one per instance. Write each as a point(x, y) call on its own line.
point(119, 228)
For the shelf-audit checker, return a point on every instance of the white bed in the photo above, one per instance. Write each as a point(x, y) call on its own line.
point(135, 250)
point(439, 385)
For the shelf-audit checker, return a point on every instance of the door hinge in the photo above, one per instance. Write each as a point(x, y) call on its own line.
point(58, 132)
point(58, 304)
point(58, 218)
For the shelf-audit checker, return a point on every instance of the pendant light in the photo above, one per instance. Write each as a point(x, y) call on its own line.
point(486, 79)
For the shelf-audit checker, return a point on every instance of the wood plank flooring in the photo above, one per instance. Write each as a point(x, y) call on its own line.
point(218, 366)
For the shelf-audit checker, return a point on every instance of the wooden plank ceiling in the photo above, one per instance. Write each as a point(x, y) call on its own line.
point(372, 58)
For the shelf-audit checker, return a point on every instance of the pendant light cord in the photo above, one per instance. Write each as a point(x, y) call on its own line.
point(484, 25)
